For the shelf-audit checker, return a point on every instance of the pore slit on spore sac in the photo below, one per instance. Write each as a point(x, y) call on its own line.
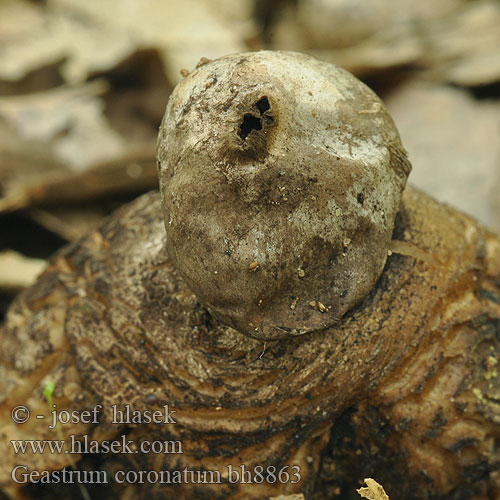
point(251, 122)
point(263, 105)
point(248, 124)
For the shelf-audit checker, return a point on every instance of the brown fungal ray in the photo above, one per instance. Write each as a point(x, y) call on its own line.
point(34, 353)
point(410, 370)
point(278, 158)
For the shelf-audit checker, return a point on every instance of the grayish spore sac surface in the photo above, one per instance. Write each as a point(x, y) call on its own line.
point(281, 176)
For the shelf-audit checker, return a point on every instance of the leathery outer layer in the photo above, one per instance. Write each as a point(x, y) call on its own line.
point(405, 388)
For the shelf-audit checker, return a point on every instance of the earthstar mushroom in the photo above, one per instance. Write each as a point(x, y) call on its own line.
point(401, 387)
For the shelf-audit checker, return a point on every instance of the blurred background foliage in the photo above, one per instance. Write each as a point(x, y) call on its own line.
point(84, 84)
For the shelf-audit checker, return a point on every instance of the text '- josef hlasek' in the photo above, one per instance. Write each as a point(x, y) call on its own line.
point(120, 415)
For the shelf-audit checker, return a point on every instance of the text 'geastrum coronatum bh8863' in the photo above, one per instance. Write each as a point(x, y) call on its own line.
point(281, 177)
point(281, 181)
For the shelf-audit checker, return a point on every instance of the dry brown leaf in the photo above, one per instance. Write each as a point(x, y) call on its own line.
point(182, 30)
point(455, 40)
point(453, 143)
point(68, 222)
point(28, 17)
point(134, 173)
point(339, 23)
point(69, 122)
point(62, 34)
point(17, 271)
point(363, 35)
point(22, 164)
point(42, 134)
point(94, 36)
point(20, 24)
point(240, 20)
point(373, 491)
point(465, 49)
